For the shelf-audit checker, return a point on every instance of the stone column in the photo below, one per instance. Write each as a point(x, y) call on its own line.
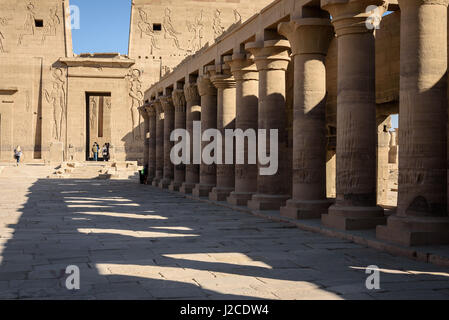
point(151, 143)
point(421, 217)
point(159, 143)
point(272, 58)
point(169, 126)
point(310, 39)
point(144, 114)
point(179, 103)
point(247, 103)
point(193, 113)
point(355, 206)
point(225, 84)
point(208, 94)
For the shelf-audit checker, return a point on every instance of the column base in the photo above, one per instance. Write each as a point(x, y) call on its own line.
point(415, 231)
point(354, 218)
point(202, 190)
point(240, 198)
point(150, 180)
point(156, 181)
point(175, 186)
point(164, 184)
point(187, 188)
point(262, 202)
point(302, 209)
point(220, 194)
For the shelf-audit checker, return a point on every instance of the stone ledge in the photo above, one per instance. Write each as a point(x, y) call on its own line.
point(438, 255)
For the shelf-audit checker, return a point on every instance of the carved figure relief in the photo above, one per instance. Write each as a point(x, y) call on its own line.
point(56, 98)
point(169, 30)
point(93, 113)
point(136, 94)
point(197, 30)
point(29, 28)
point(217, 24)
point(52, 22)
point(3, 22)
point(146, 28)
point(237, 16)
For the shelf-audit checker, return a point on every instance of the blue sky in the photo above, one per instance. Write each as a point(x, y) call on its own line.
point(104, 26)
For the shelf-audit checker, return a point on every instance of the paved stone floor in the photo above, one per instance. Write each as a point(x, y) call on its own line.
point(137, 242)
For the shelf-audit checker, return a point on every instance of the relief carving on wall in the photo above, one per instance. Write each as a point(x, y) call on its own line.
point(29, 28)
point(51, 24)
point(93, 112)
point(136, 94)
point(217, 24)
point(57, 99)
point(196, 28)
point(237, 16)
point(146, 27)
point(3, 22)
point(169, 30)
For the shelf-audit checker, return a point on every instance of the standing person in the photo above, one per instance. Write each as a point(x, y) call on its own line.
point(95, 149)
point(105, 152)
point(18, 154)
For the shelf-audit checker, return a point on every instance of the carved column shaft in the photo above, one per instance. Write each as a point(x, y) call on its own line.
point(272, 60)
point(421, 217)
point(169, 126)
point(193, 113)
point(146, 151)
point(310, 38)
point(208, 172)
point(356, 206)
point(151, 143)
point(159, 143)
point(247, 102)
point(225, 84)
point(179, 103)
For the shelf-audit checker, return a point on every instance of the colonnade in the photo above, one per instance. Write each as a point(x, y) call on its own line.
point(246, 89)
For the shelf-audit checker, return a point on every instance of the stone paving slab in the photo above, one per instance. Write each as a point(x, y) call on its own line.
point(138, 242)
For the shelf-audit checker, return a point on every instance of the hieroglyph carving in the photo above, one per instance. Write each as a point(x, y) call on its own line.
point(146, 28)
point(57, 99)
point(237, 16)
point(217, 24)
point(3, 22)
point(29, 27)
point(93, 111)
point(196, 28)
point(169, 30)
point(136, 94)
point(51, 24)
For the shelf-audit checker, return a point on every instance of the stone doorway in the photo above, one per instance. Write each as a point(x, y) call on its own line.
point(98, 122)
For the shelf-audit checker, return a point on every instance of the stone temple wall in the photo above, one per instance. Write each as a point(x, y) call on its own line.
point(33, 36)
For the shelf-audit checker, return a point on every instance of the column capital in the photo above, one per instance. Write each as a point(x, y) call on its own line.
point(242, 67)
point(149, 108)
point(179, 100)
point(167, 103)
point(158, 106)
point(308, 35)
point(221, 76)
point(270, 54)
point(191, 92)
point(351, 16)
point(143, 111)
point(205, 86)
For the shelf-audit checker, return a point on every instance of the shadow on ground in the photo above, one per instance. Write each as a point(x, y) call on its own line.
point(138, 242)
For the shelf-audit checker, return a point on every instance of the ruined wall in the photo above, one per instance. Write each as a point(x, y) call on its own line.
point(33, 36)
